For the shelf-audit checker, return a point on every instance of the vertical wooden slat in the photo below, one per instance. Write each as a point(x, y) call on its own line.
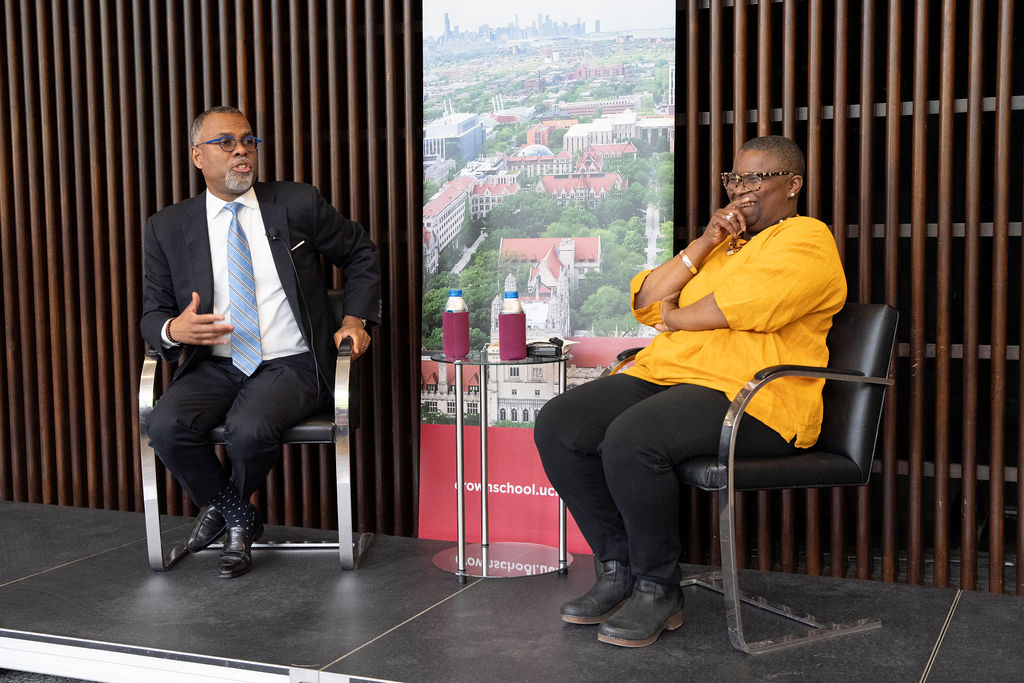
point(920, 187)
point(812, 199)
point(335, 85)
point(715, 157)
point(692, 219)
point(788, 517)
point(972, 234)
point(53, 368)
point(413, 121)
point(242, 42)
point(11, 428)
point(123, 254)
point(189, 93)
point(943, 322)
point(692, 115)
point(80, 277)
point(393, 252)
point(298, 142)
point(740, 60)
point(764, 68)
point(1000, 271)
point(865, 227)
point(764, 127)
point(99, 447)
point(144, 199)
point(375, 222)
point(27, 220)
point(839, 162)
point(314, 459)
point(739, 136)
point(227, 33)
point(714, 193)
point(893, 115)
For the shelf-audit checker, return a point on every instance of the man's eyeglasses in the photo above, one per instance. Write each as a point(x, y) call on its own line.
point(229, 142)
point(751, 182)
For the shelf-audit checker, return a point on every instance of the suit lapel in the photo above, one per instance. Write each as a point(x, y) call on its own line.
point(275, 220)
point(196, 238)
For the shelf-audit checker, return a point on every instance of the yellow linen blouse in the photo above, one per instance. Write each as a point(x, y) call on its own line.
point(779, 293)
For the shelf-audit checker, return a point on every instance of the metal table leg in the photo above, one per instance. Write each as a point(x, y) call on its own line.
point(460, 481)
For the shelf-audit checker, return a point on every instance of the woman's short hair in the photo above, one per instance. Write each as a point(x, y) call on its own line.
point(781, 148)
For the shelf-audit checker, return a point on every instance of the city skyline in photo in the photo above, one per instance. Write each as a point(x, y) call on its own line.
point(470, 15)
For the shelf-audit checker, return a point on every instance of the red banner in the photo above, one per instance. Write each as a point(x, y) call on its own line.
point(522, 506)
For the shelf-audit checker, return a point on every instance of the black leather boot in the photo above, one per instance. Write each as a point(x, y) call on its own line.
point(651, 608)
point(614, 583)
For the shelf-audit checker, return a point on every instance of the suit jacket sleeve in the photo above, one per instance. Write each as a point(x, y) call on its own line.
point(347, 245)
point(158, 299)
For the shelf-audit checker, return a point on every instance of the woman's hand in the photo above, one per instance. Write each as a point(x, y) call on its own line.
point(725, 222)
point(669, 305)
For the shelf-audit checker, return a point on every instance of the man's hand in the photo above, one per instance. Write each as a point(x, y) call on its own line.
point(352, 328)
point(198, 329)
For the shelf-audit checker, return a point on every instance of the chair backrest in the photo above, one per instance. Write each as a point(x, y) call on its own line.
point(861, 339)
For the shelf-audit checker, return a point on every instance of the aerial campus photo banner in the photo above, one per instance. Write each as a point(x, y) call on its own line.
point(548, 166)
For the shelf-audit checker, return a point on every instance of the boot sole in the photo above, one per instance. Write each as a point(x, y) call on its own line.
point(594, 620)
point(672, 623)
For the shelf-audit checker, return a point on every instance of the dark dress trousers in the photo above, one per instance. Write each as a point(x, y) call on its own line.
point(301, 226)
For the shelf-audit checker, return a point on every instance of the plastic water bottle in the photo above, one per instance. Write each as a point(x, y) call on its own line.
point(512, 328)
point(512, 303)
point(455, 325)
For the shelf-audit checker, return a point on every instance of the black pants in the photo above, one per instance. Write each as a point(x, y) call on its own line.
point(610, 446)
point(255, 411)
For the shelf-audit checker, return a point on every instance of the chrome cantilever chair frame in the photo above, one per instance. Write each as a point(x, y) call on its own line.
point(726, 581)
point(722, 480)
point(319, 429)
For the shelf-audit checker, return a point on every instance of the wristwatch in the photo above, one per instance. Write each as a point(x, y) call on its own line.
point(362, 321)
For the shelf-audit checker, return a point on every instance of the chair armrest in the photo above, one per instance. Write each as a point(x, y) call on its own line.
point(342, 373)
point(622, 359)
point(147, 384)
point(629, 353)
point(738, 407)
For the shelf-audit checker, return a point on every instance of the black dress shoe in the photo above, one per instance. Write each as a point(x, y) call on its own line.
point(236, 557)
point(208, 528)
point(652, 608)
point(614, 584)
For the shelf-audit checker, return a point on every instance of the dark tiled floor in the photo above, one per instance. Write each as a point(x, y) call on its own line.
point(77, 573)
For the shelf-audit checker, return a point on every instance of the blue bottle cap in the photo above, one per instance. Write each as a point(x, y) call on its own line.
point(511, 295)
point(454, 292)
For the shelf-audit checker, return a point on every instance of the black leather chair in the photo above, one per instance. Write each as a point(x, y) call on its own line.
point(860, 347)
point(326, 428)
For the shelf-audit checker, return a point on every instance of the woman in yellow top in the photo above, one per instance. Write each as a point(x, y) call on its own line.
point(758, 288)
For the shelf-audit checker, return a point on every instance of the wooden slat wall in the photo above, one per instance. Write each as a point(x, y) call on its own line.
point(911, 115)
point(98, 96)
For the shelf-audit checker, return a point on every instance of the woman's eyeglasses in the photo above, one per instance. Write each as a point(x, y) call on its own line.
point(751, 182)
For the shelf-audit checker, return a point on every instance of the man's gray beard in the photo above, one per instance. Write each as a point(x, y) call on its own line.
point(239, 182)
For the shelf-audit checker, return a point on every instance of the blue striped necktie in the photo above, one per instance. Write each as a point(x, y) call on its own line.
point(246, 350)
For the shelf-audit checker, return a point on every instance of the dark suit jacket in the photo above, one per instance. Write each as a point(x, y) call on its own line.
point(301, 226)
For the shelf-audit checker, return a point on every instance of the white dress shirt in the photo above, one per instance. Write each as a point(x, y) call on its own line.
point(279, 331)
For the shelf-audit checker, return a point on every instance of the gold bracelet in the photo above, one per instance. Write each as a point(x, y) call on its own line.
point(687, 262)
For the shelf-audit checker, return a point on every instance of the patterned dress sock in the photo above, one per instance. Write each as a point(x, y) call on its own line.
point(237, 512)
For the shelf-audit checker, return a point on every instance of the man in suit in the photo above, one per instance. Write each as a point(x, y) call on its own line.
point(234, 287)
